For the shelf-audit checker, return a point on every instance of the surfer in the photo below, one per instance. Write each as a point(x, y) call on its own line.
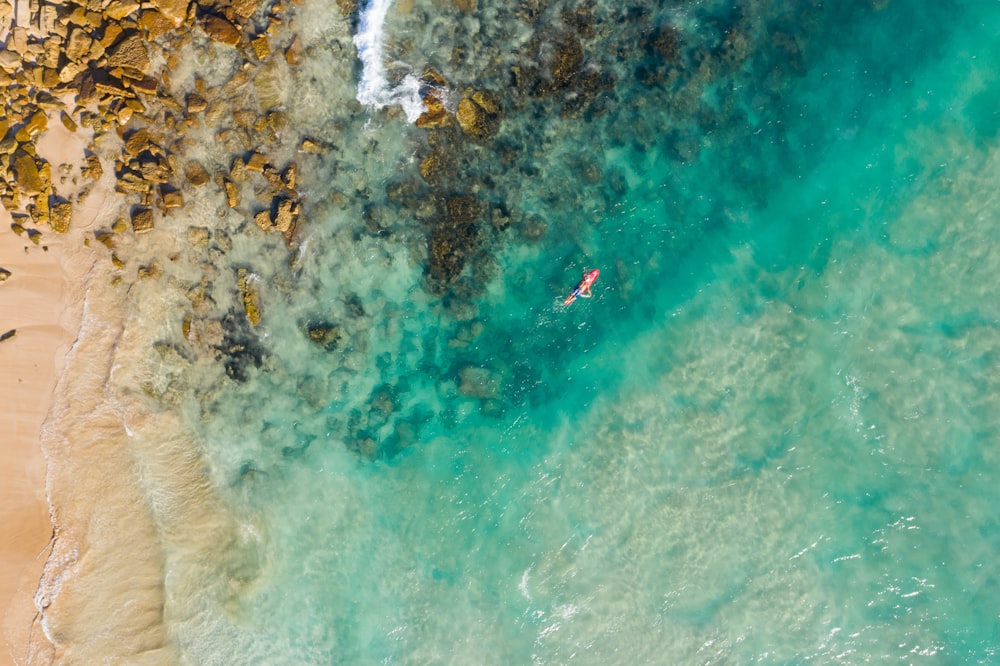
point(582, 290)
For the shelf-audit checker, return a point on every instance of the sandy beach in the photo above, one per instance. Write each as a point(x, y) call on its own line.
point(32, 303)
point(40, 302)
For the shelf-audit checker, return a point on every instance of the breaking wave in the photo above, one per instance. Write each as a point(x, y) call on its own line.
point(374, 88)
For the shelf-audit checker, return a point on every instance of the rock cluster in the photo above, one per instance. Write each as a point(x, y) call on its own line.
point(100, 66)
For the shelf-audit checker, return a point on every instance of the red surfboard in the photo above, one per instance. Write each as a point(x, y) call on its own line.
point(582, 290)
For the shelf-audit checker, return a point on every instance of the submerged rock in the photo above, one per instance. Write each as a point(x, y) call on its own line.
point(479, 114)
point(240, 349)
point(480, 383)
point(250, 295)
point(453, 238)
point(325, 334)
point(383, 400)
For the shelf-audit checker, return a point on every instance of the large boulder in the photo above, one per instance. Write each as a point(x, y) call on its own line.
point(220, 30)
point(131, 55)
point(479, 114)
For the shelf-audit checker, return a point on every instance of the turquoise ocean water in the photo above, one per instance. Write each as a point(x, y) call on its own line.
point(771, 435)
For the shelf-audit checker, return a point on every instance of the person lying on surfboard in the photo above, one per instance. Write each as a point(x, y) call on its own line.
point(582, 290)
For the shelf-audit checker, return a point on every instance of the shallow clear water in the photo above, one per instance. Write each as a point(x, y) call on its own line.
point(769, 436)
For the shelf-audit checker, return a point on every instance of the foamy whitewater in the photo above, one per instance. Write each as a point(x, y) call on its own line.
point(770, 436)
point(374, 88)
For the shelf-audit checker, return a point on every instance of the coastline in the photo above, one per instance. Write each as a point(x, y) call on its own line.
point(83, 555)
point(42, 302)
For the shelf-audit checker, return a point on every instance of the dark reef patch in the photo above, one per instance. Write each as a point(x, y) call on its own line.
point(240, 349)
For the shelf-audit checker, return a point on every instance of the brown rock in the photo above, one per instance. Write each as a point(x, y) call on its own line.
point(325, 334)
point(60, 216)
point(196, 173)
point(198, 236)
point(93, 168)
point(238, 170)
point(130, 181)
point(33, 127)
point(111, 34)
point(105, 239)
point(155, 23)
point(277, 120)
point(155, 170)
point(28, 179)
point(263, 220)
point(142, 219)
point(237, 81)
point(251, 298)
point(311, 147)
point(347, 7)
point(147, 85)
point(232, 194)
point(138, 142)
point(171, 198)
point(4, 274)
point(220, 30)
point(70, 72)
point(288, 213)
point(261, 47)
point(119, 9)
point(10, 61)
point(67, 121)
point(273, 178)
point(78, 45)
point(294, 52)
point(112, 87)
point(174, 11)
point(45, 100)
point(290, 176)
point(8, 144)
point(476, 120)
point(130, 54)
point(125, 114)
point(196, 103)
point(244, 8)
point(486, 101)
point(436, 115)
point(151, 270)
point(257, 162)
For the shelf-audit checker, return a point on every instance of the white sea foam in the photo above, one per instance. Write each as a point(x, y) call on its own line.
point(374, 89)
